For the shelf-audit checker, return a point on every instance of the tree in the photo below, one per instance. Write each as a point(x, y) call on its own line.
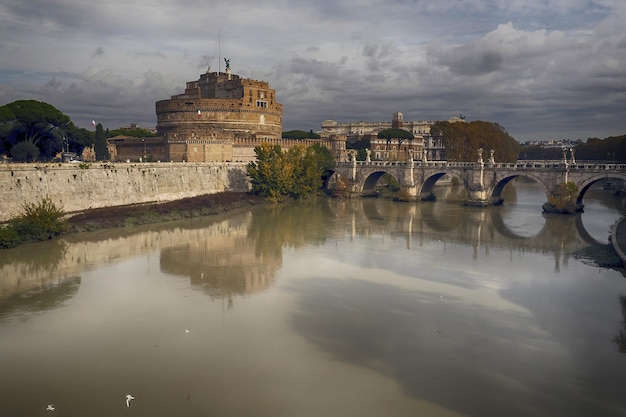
point(269, 174)
point(134, 132)
point(612, 148)
point(296, 173)
point(7, 120)
point(36, 122)
point(24, 152)
point(399, 134)
point(299, 135)
point(462, 140)
point(100, 144)
point(563, 199)
point(78, 138)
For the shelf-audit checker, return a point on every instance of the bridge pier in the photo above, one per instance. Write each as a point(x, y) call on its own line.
point(479, 197)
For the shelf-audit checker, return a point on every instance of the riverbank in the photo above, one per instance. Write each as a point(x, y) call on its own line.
point(133, 215)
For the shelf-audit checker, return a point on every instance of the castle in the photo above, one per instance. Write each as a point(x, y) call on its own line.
point(220, 117)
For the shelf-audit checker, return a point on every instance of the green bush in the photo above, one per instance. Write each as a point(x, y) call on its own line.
point(296, 173)
point(8, 237)
point(39, 221)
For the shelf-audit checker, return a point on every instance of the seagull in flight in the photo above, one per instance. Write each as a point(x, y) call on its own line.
point(50, 407)
point(129, 398)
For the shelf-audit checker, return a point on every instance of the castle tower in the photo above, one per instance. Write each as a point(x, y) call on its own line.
point(220, 107)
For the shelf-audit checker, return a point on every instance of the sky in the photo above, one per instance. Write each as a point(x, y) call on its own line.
point(543, 69)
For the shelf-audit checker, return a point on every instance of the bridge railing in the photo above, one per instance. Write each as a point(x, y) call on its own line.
point(523, 165)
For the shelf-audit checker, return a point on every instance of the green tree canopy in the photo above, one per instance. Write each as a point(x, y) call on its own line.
point(33, 121)
point(398, 134)
point(296, 173)
point(100, 144)
point(612, 148)
point(536, 152)
point(135, 132)
point(462, 140)
point(300, 134)
point(390, 134)
point(37, 119)
point(24, 151)
point(77, 138)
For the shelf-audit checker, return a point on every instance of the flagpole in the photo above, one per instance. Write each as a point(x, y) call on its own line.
point(219, 52)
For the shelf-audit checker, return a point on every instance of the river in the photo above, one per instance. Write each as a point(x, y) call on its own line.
point(358, 307)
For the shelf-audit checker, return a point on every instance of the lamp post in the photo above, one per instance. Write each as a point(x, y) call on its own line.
point(144, 149)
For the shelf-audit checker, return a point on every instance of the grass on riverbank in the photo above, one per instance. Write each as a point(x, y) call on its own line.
point(45, 221)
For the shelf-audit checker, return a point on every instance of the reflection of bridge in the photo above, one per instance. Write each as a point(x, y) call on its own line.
point(483, 181)
point(450, 223)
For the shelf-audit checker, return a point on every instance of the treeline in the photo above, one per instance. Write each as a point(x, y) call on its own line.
point(33, 130)
point(612, 148)
point(300, 135)
point(463, 139)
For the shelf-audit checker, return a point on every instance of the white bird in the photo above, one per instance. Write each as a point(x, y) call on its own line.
point(128, 400)
point(50, 407)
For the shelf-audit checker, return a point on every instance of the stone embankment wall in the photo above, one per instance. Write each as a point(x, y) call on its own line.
point(77, 187)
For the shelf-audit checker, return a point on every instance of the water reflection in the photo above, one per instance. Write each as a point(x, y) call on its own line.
point(436, 347)
point(337, 307)
point(47, 297)
point(223, 264)
point(241, 254)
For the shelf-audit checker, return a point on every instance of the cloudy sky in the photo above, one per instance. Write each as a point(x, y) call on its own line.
point(544, 69)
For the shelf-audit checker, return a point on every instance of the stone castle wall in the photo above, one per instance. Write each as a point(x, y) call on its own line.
point(113, 184)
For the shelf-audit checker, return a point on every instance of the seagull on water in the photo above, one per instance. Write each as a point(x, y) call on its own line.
point(129, 398)
point(50, 407)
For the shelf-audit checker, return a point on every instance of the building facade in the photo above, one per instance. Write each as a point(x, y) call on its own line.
point(424, 146)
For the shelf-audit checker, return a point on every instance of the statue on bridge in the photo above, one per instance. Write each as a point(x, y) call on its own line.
point(480, 155)
point(492, 160)
point(368, 155)
point(227, 61)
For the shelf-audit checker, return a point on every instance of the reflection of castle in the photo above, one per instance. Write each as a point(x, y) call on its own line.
point(223, 265)
point(220, 117)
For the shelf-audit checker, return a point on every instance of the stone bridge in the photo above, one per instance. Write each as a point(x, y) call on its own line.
point(483, 181)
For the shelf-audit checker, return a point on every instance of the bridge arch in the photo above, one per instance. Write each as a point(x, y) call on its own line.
point(327, 177)
point(371, 179)
point(428, 186)
point(588, 182)
point(504, 179)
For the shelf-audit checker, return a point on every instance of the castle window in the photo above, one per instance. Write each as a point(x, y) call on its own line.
point(261, 104)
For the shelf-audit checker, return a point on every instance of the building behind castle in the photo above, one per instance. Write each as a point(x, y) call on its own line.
point(424, 146)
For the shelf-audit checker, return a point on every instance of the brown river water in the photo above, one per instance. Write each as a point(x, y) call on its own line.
point(358, 307)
